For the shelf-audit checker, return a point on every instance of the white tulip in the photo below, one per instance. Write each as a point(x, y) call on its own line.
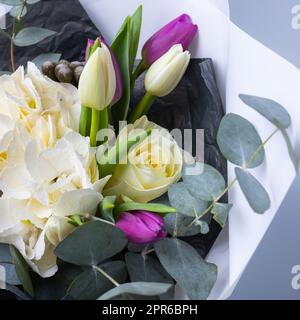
point(97, 85)
point(164, 74)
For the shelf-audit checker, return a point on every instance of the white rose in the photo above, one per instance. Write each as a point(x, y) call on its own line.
point(153, 165)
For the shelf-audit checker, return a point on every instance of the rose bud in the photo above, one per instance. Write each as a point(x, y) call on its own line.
point(165, 74)
point(179, 31)
point(98, 82)
point(142, 227)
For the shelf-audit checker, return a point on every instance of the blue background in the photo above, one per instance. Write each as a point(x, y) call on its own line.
point(268, 275)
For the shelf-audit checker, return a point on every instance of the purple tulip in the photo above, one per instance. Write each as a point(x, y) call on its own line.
point(119, 82)
point(142, 227)
point(179, 31)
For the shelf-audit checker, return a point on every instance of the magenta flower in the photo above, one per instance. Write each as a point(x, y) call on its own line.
point(142, 227)
point(179, 31)
point(119, 82)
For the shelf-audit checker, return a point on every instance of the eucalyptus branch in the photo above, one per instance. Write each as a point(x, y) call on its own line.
point(12, 58)
point(12, 41)
point(252, 158)
point(106, 275)
point(92, 218)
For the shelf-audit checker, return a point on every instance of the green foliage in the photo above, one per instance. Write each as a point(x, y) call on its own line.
point(91, 244)
point(254, 192)
point(22, 270)
point(136, 288)
point(186, 266)
point(32, 35)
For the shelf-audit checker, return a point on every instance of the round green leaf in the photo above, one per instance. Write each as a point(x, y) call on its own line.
point(90, 284)
point(148, 269)
point(39, 60)
point(22, 270)
point(12, 2)
point(254, 192)
point(184, 226)
point(270, 109)
point(91, 244)
point(220, 213)
point(32, 35)
point(18, 11)
point(207, 184)
point(239, 142)
point(137, 288)
point(195, 276)
point(181, 199)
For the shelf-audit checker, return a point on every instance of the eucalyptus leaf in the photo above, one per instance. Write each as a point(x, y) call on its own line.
point(18, 11)
point(90, 284)
point(137, 248)
point(181, 199)
point(220, 213)
point(32, 35)
point(32, 1)
point(137, 288)
point(195, 276)
point(208, 185)
point(270, 109)
point(135, 29)
point(184, 226)
point(152, 207)
point(254, 192)
point(106, 208)
point(55, 288)
point(12, 2)
point(5, 34)
point(91, 244)
point(146, 269)
point(22, 270)
point(121, 49)
point(39, 60)
point(239, 142)
point(142, 267)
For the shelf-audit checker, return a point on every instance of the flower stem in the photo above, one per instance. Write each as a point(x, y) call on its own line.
point(252, 158)
point(104, 119)
point(12, 42)
point(106, 275)
point(143, 107)
point(94, 127)
point(85, 121)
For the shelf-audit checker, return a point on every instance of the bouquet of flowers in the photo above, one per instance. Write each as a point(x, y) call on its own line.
point(99, 202)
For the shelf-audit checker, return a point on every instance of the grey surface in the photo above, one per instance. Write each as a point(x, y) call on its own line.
point(269, 273)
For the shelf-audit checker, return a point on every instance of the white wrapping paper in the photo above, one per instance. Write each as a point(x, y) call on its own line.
point(243, 65)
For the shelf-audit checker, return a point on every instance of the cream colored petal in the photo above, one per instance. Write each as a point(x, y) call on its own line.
point(79, 202)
